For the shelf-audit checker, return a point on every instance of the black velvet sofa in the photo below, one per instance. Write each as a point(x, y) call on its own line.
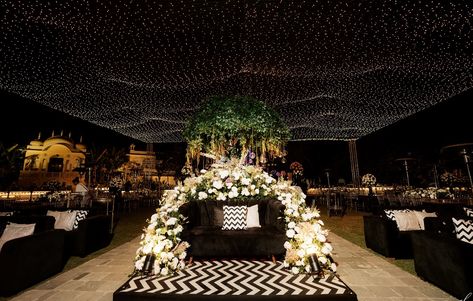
point(208, 240)
point(383, 237)
point(442, 259)
point(92, 234)
point(28, 260)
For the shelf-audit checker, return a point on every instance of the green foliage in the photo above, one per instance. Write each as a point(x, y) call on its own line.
point(232, 125)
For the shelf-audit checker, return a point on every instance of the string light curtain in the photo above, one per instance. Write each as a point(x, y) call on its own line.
point(332, 69)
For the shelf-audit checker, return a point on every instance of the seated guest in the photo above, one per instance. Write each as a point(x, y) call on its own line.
point(79, 187)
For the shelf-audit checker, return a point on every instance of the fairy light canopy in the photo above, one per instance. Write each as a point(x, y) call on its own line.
point(331, 69)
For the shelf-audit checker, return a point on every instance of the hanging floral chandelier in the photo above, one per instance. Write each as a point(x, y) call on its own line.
point(232, 126)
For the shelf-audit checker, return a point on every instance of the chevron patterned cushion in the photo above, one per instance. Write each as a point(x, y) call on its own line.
point(468, 211)
point(80, 215)
point(390, 213)
point(234, 217)
point(464, 229)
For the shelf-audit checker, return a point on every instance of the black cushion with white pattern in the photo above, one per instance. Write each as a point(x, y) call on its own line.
point(468, 211)
point(390, 213)
point(464, 229)
point(234, 217)
point(80, 215)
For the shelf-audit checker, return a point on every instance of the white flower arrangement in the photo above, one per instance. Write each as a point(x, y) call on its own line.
point(230, 182)
point(116, 182)
point(430, 193)
point(368, 180)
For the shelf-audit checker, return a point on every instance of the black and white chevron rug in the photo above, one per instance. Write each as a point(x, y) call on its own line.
point(234, 280)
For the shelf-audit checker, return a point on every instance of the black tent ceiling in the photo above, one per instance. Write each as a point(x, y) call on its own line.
point(333, 69)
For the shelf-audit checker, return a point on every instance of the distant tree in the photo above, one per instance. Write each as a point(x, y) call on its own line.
point(10, 165)
point(113, 159)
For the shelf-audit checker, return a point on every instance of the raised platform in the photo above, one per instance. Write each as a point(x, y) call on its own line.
point(234, 280)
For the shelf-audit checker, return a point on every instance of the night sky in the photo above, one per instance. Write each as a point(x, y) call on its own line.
point(420, 136)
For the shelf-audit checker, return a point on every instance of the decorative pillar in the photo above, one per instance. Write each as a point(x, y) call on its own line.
point(355, 170)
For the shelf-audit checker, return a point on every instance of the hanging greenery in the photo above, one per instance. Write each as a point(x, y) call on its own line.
point(231, 126)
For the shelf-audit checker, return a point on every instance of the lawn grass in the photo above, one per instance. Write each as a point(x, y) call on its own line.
point(350, 227)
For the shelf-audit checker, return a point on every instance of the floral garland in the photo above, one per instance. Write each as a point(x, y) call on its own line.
point(233, 182)
point(368, 180)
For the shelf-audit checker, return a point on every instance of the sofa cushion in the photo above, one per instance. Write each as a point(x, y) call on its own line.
point(463, 229)
point(13, 231)
point(64, 220)
point(234, 217)
point(80, 215)
point(421, 215)
point(390, 213)
point(407, 221)
point(252, 217)
point(468, 211)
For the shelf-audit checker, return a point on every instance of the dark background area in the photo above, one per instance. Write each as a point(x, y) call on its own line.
point(420, 136)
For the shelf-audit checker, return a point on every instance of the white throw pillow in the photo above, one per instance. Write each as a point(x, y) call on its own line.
point(64, 220)
point(13, 231)
point(252, 217)
point(421, 215)
point(406, 221)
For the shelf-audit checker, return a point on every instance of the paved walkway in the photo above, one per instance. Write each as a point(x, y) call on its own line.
point(370, 276)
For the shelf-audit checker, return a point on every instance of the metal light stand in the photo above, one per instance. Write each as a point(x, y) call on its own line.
point(113, 213)
point(467, 160)
point(407, 173)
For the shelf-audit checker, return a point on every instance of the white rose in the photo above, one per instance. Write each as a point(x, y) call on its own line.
point(157, 268)
point(323, 260)
point(291, 225)
point(217, 184)
point(287, 245)
point(245, 192)
point(245, 181)
point(327, 248)
point(139, 263)
point(311, 250)
point(202, 195)
point(300, 253)
point(321, 237)
point(333, 267)
point(174, 263)
point(164, 271)
point(221, 197)
point(295, 270)
point(148, 248)
point(172, 221)
point(154, 218)
point(223, 174)
point(290, 233)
